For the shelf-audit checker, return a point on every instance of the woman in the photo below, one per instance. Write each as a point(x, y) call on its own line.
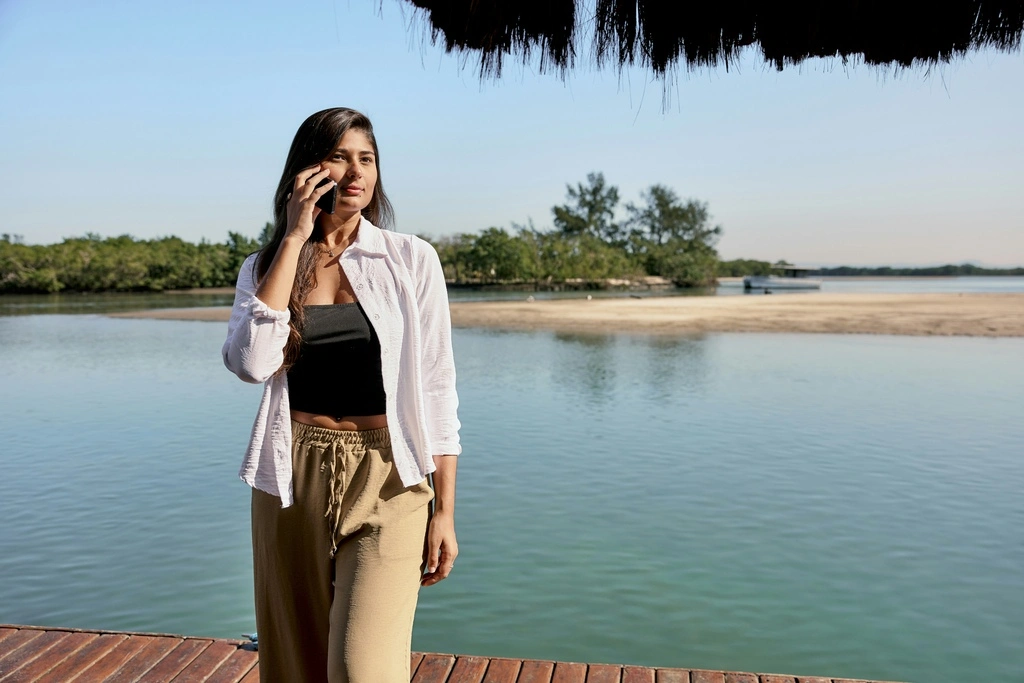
point(347, 326)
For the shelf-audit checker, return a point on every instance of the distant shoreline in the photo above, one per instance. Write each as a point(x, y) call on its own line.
point(972, 315)
point(202, 290)
point(519, 287)
point(901, 277)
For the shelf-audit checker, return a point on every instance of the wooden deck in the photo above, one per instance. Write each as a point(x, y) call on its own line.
point(57, 655)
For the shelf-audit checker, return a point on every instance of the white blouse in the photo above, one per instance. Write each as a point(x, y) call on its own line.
point(399, 282)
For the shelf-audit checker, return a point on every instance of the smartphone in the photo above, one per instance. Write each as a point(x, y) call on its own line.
point(330, 199)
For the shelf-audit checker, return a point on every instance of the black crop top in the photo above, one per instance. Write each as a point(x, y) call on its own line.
point(338, 370)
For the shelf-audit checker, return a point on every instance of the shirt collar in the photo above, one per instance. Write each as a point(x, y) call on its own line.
point(369, 239)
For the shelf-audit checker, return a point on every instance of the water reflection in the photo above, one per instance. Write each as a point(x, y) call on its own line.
point(674, 362)
point(585, 339)
point(599, 368)
point(585, 364)
point(110, 302)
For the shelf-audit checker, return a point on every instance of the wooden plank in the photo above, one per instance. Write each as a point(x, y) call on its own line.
point(414, 661)
point(113, 660)
point(63, 647)
point(434, 669)
point(253, 676)
point(144, 660)
point(569, 672)
point(673, 676)
point(637, 674)
point(702, 676)
point(502, 671)
point(468, 670)
point(29, 650)
point(15, 641)
point(604, 673)
point(200, 668)
point(177, 659)
point(738, 677)
point(812, 679)
point(776, 678)
point(535, 671)
point(6, 631)
point(81, 660)
point(240, 663)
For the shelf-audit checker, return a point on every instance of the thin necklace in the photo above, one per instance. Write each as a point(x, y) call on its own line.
point(330, 251)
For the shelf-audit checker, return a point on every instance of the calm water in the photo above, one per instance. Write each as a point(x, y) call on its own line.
point(831, 505)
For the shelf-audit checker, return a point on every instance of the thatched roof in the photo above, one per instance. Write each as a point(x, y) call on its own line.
point(663, 34)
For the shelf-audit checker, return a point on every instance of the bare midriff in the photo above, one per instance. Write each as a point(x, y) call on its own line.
point(354, 423)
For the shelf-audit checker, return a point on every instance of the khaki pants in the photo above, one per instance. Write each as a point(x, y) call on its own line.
point(337, 574)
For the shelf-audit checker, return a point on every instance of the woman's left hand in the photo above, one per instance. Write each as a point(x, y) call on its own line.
point(441, 548)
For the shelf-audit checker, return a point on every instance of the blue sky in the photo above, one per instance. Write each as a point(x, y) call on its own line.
point(174, 118)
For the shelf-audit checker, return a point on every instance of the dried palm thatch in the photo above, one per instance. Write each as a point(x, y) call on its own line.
point(663, 34)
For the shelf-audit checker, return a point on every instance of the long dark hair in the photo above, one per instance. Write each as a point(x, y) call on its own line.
point(316, 138)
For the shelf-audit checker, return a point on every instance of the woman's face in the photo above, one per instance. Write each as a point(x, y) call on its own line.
point(353, 165)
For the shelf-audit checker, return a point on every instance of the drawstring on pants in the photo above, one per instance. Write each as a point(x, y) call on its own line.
point(336, 489)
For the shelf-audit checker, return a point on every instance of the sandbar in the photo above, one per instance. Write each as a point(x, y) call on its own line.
point(973, 315)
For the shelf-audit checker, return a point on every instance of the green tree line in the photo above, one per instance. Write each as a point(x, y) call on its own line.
point(120, 264)
point(592, 240)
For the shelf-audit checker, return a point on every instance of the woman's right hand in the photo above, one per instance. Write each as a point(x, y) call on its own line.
point(301, 208)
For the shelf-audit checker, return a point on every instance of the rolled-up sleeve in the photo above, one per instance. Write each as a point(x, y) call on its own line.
point(437, 362)
point(257, 334)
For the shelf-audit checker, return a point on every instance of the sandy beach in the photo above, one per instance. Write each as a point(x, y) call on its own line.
point(974, 315)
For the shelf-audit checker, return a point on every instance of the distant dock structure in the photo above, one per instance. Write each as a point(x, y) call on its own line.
point(788, 277)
